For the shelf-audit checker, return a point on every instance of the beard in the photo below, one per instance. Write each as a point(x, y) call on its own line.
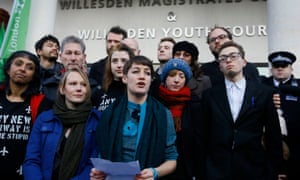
point(232, 74)
point(52, 59)
point(215, 54)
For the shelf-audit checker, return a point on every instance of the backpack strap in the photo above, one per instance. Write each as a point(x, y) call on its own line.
point(34, 105)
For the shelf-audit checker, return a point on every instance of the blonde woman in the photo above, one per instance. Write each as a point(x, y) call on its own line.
point(63, 139)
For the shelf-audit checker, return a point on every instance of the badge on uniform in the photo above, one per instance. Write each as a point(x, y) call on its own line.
point(291, 98)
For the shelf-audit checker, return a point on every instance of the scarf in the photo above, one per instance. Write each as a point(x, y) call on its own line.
point(76, 120)
point(151, 148)
point(175, 101)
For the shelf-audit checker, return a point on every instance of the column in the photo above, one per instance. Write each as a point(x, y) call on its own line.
point(284, 28)
point(41, 21)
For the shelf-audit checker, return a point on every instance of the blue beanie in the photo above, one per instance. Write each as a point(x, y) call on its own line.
point(178, 64)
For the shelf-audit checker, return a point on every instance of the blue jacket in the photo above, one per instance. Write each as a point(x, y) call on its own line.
point(43, 143)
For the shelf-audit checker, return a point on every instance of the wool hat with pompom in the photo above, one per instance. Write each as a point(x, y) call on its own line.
point(178, 64)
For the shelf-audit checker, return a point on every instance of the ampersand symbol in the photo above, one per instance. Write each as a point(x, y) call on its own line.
point(171, 17)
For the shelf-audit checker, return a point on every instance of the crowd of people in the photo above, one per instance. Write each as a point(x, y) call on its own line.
point(219, 120)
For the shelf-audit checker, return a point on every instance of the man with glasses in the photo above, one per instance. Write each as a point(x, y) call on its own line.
point(216, 37)
point(236, 114)
point(287, 86)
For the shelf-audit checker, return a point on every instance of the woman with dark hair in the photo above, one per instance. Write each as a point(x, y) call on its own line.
point(112, 85)
point(32, 84)
point(137, 127)
point(188, 52)
point(20, 102)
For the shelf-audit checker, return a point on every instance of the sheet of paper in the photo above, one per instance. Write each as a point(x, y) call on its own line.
point(117, 170)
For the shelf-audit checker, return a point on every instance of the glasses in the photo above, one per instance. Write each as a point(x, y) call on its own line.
point(220, 37)
point(280, 65)
point(232, 56)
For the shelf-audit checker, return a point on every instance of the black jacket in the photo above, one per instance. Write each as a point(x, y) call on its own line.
point(290, 105)
point(234, 149)
point(97, 70)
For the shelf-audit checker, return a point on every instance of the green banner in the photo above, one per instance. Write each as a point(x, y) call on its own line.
point(2, 32)
point(16, 32)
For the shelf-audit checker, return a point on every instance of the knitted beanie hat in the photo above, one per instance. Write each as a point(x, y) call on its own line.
point(188, 47)
point(178, 64)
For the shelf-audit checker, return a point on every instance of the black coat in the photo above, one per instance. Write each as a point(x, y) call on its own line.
point(185, 141)
point(102, 100)
point(50, 79)
point(234, 150)
point(290, 105)
point(97, 70)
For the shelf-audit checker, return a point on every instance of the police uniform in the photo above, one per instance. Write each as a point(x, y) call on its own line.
point(289, 91)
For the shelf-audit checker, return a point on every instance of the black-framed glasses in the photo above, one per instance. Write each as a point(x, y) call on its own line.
point(220, 37)
point(232, 56)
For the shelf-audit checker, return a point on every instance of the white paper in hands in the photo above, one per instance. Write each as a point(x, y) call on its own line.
point(117, 170)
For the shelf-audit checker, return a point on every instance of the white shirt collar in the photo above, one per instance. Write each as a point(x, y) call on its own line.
point(276, 82)
point(239, 84)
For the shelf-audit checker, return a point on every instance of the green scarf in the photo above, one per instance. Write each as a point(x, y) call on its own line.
point(76, 120)
point(151, 149)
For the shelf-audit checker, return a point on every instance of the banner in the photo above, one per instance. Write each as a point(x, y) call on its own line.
point(2, 32)
point(16, 32)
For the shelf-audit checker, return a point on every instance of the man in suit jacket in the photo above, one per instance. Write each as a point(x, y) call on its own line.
point(237, 114)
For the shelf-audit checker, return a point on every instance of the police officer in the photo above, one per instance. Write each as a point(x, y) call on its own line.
point(288, 88)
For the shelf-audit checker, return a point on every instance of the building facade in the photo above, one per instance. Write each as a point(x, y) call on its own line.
point(150, 20)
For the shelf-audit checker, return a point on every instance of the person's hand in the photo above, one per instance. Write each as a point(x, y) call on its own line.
point(146, 174)
point(97, 175)
point(276, 100)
